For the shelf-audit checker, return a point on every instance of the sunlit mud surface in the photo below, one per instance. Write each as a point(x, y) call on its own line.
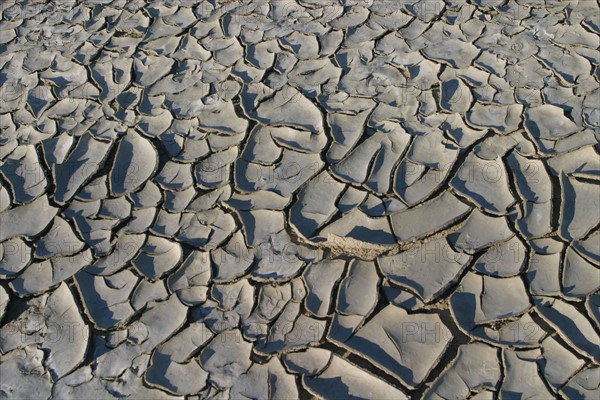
point(253, 199)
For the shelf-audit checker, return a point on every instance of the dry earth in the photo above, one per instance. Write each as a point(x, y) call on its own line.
point(254, 199)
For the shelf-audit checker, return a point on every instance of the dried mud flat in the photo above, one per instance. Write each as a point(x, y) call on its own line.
point(332, 199)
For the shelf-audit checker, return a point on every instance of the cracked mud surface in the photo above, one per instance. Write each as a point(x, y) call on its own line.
point(285, 199)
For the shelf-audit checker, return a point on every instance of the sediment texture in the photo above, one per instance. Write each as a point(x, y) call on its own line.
point(296, 199)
